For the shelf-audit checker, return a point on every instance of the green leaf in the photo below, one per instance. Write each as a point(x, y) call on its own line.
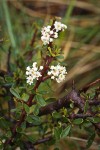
point(96, 120)
point(65, 132)
point(9, 134)
point(87, 123)
point(31, 138)
point(56, 115)
point(2, 81)
point(86, 106)
point(4, 124)
point(78, 121)
point(29, 119)
point(60, 57)
point(71, 105)
point(36, 110)
point(31, 109)
point(35, 120)
point(25, 97)
point(23, 125)
point(15, 93)
point(57, 132)
point(90, 140)
point(40, 100)
point(8, 78)
point(27, 108)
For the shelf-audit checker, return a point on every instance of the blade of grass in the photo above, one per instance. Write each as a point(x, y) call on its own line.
point(69, 11)
point(8, 22)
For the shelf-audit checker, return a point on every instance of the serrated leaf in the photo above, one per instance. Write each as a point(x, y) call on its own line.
point(15, 93)
point(65, 132)
point(40, 100)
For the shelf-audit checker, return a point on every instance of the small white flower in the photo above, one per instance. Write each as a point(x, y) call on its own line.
point(52, 77)
point(58, 26)
point(33, 73)
point(49, 73)
point(55, 35)
point(27, 72)
point(51, 32)
point(52, 67)
point(41, 67)
point(63, 27)
point(28, 68)
point(34, 64)
point(51, 39)
point(57, 72)
point(29, 80)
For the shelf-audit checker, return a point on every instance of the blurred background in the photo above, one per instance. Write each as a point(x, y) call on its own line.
point(20, 20)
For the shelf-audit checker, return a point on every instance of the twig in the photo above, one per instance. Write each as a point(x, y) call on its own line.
point(63, 102)
point(33, 38)
point(76, 116)
point(43, 140)
point(47, 62)
point(8, 60)
point(84, 89)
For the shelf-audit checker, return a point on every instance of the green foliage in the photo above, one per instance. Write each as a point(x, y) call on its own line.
point(78, 121)
point(15, 93)
point(90, 140)
point(21, 105)
point(4, 124)
point(65, 132)
point(59, 132)
point(40, 100)
point(35, 120)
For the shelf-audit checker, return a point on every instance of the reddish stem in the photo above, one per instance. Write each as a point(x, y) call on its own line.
point(48, 60)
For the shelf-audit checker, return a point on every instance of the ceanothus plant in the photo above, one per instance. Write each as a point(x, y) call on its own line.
point(46, 119)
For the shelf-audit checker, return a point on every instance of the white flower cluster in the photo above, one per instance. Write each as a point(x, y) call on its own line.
point(33, 73)
point(58, 73)
point(49, 34)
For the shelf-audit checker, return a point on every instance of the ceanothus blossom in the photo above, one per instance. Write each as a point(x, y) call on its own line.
point(48, 34)
point(33, 73)
point(57, 73)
